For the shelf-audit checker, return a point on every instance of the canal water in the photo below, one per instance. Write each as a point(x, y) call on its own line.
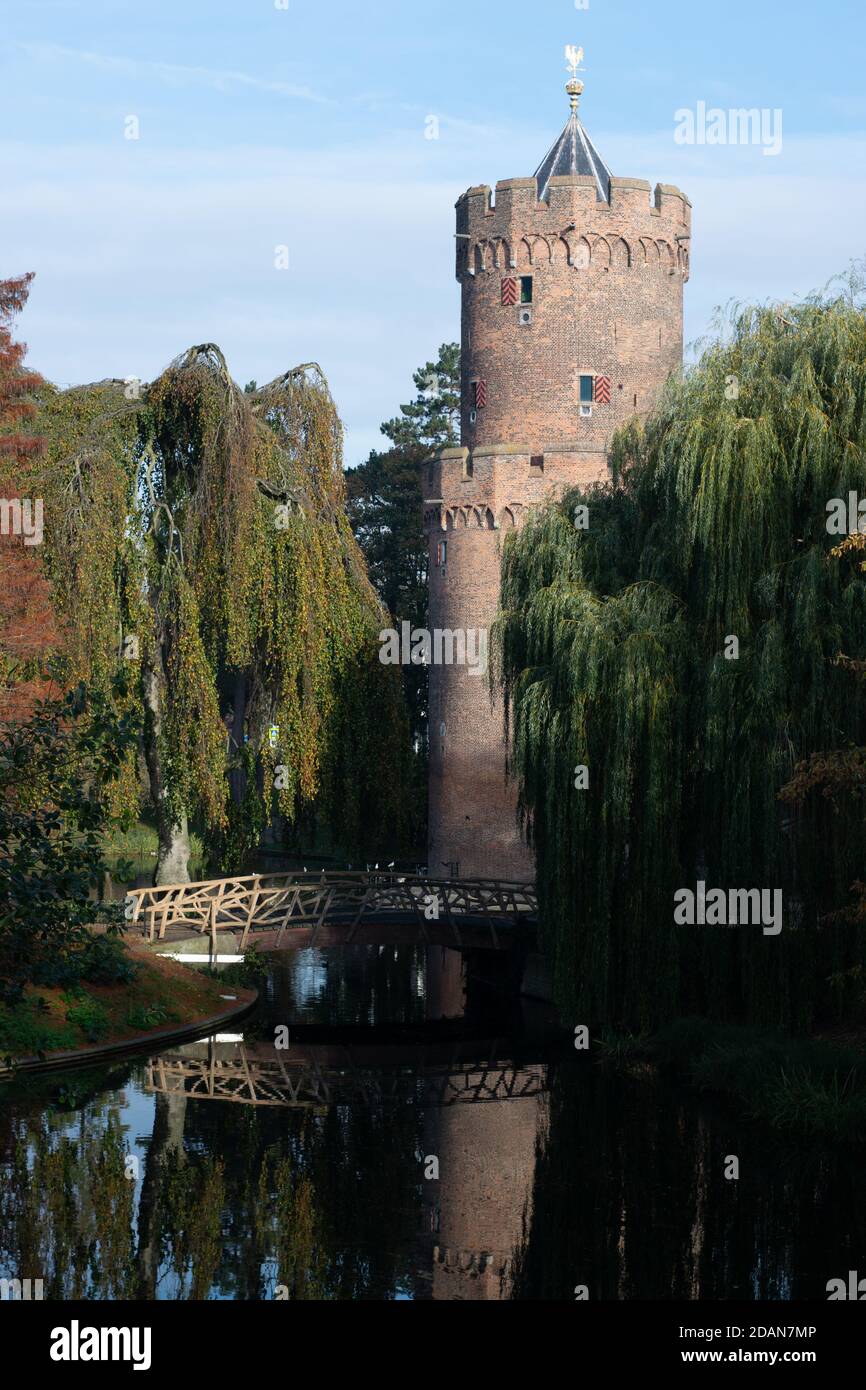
point(388, 1126)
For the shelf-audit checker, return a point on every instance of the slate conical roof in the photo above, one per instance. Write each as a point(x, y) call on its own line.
point(573, 153)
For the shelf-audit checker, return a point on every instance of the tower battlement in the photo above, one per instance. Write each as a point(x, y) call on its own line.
point(504, 234)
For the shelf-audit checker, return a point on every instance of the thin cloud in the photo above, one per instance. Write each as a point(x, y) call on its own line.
point(172, 74)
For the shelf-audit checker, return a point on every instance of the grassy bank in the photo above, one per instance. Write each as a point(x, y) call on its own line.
point(807, 1086)
point(153, 993)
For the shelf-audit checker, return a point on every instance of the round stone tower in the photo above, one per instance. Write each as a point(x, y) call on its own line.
point(572, 314)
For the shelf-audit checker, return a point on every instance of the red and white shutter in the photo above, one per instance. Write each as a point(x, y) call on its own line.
point(602, 390)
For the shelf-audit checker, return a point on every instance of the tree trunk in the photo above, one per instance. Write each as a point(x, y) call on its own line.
point(237, 775)
point(172, 863)
point(169, 1112)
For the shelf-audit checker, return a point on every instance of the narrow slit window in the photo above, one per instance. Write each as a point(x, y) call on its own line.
point(441, 553)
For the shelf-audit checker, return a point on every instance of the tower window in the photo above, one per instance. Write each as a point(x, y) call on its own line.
point(441, 553)
point(526, 289)
point(537, 461)
point(585, 390)
point(468, 467)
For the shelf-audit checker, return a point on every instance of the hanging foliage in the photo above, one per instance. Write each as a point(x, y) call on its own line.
point(615, 645)
point(199, 532)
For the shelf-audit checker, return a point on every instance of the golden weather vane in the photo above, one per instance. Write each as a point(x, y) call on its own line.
point(574, 87)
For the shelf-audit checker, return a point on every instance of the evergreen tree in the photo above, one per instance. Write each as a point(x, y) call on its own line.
point(432, 419)
point(385, 506)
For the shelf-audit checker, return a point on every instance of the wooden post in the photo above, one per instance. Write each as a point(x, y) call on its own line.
point(323, 902)
point(253, 901)
point(359, 914)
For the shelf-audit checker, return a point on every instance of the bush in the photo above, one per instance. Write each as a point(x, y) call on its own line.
point(90, 1016)
point(58, 772)
point(147, 1016)
point(249, 973)
point(24, 1034)
point(97, 960)
point(105, 962)
point(796, 1084)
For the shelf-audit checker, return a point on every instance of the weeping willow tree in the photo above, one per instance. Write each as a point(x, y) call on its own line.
point(198, 533)
point(615, 649)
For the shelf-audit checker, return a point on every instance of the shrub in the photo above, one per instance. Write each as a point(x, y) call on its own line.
point(90, 1016)
point(24, 1034)
point(146, 1016)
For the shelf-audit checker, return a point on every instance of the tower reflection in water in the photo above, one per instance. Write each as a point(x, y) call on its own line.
point(480, 1116)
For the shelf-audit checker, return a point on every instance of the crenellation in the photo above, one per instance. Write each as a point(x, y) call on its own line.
point(630, 198)
point(671, 200)
point(569, 192)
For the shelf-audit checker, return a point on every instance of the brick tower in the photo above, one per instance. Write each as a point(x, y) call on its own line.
point(571, 322)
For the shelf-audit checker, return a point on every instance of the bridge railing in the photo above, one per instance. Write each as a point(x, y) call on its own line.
point(277, 902)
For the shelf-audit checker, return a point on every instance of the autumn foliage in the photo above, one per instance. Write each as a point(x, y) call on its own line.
point(28, 630)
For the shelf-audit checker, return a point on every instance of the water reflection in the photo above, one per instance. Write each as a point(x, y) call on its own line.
point(416, 1139)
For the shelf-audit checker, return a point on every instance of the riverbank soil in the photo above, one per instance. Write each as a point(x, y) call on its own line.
point(161, 995)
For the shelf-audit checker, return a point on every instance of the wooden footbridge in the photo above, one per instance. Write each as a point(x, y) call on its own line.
point(338, 909)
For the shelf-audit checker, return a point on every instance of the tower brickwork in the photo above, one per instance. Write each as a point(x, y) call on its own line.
point(571, 323)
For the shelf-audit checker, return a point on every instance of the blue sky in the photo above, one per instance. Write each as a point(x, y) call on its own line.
point(262, 126)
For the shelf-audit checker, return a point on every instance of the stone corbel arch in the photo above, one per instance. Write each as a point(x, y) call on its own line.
point(582, 254)
point(666, 255)
point(600, 253)
point(620, 254)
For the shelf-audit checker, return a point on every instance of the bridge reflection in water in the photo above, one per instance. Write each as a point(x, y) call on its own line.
point(481, 1113)
point(258, 1074)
